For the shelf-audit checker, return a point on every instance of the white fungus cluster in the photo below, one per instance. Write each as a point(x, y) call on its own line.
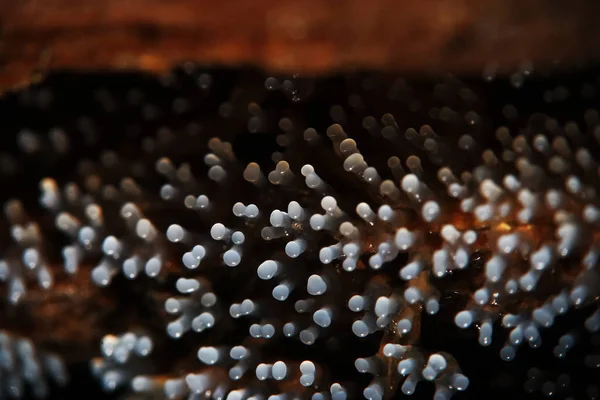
point(325, 243)
point(24, 370)
point(122, 361)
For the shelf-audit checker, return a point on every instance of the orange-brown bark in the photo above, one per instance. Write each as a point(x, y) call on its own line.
point(310, 36)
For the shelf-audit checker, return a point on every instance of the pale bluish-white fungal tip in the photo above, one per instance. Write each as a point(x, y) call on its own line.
point(185, 285)
point(267, 269)
point(219, 232)
point(404, 239)
point(464, 319)
point(374, 392)
point(308, 336)
point(328, 254)
point(145, 230)
point(209, 355)
point(361, 328)
point(202, 202)
point(431, 211)
point(282, 291)
point(494, 269)
point(508, 353)
point(316, 285)
point(153, 266)
point(295, 248)
point(435, 365)
point(323, 317)
point(232, 258)
point(413, 295)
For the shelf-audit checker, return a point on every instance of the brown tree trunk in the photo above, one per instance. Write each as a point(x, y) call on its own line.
point(309, 36)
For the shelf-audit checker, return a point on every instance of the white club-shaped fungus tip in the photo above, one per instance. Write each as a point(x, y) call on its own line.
point(218, 231)
point(394, 350)
point(410, 184)
point(323, 317)
point(406, 366)
point(185, 285)
point(385, 213)
point(337, 392)
point(431, 211)
point(238, 209)
point(111, 246)
point(410, 271)
point(316, 285)
point(464, 319)
point(141, 384)
point(238, 352)
point(404, 326)
point(494, 268)
point(459, 381)
point(238, 237)
point(232, 258)
point(252, 211)
point(307, 367)
point(436, 364)
point(281, 292)
point(153, 267)
point(404, 239)
point(357, 303)
point(329, 204)
point(385, 306)
point(279, 219)
point(365, 212)
point(308, 336)
point(197, 383)
point(307, 169)
point(508, 243)
point(208, 355)
point(173, 306)
point(294, 248)
point(87, 235)
point(101, 274)
point(267, 269)
point(263, 371)
point(203, 321)
point(295, 211)
point(279, 370)
point(360, 328)
point(318, 222)
point(289, 329)
point(326, 255)
point(190, 261)
point(374, 392)
point(174, 388)
point(217, 173)
point(481, 296)
point(199, 252)
point(413, 295)
point(541, 258)
point(202, 202)
point(238, 394)
point(508, 353)
point(143, 346)
point(362, 365)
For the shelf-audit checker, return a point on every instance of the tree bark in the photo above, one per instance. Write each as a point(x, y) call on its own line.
point(306, 36)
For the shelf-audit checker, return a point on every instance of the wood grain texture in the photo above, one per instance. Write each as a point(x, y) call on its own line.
point(308, 36)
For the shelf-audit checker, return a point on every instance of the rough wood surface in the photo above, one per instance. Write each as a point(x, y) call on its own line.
point(292, 35)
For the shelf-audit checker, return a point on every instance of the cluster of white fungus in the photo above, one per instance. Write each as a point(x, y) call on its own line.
point(23, 369)
point(322, 244)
